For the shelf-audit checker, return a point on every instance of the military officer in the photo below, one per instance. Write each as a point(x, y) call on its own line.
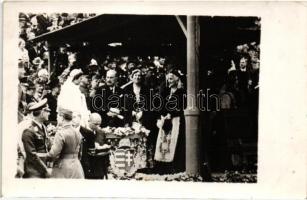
point(66, 148)
point(34, 139)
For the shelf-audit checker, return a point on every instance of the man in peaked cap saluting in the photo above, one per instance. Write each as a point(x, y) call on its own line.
point(34, 139)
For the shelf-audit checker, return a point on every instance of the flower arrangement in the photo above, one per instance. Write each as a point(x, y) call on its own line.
point(235, 177)
point(123, 131)
point(51, 130)
point(135, 129)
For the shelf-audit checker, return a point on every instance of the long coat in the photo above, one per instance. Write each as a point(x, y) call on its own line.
point(34, 141)
point(66, 149)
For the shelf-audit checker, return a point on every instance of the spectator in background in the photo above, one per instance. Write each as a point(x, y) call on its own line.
point(52, 102)
point(84, 85)
point(23, 55)
point(43, 22)
point(39, 90)
point(30, 93)
point(63, 20)
point(85, 89)
point(229, 93)
point(54, 24)
point(21, 91)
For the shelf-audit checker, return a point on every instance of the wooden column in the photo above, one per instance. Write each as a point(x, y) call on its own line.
point(192, 112)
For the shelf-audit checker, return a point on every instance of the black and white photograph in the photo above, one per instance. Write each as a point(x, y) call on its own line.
point(145, 97)
point(158, 100)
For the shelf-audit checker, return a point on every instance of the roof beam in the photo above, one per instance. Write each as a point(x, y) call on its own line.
point(183, 28)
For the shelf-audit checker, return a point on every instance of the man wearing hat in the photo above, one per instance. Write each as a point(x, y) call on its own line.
point(66, 148)
point(34, 140)
point(30, 93)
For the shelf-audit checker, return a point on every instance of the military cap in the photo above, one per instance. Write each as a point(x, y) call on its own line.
point(39, 105)
point(67, 114)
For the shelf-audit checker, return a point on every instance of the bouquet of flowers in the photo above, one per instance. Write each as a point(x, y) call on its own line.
point(123, 131)
point(51, 130)
point(108, 130)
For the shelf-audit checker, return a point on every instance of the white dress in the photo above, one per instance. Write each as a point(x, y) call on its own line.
point(72, 99)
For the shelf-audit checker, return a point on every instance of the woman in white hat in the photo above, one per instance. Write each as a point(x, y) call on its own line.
point(72, 98)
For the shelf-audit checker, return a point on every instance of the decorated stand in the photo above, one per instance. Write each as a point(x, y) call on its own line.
point(128, 149)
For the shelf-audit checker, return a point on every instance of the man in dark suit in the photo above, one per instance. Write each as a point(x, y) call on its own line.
point(34, 139)
point(88, 142)
point(95, 153)
point(107, 100)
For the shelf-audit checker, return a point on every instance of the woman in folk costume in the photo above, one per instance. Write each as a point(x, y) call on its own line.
point(170, 146)
point(71, 97)
point(66, 148)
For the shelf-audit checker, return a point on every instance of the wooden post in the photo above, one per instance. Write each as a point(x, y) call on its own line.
point(50, 57)
point(192, 112)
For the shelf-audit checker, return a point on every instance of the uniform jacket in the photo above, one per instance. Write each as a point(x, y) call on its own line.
point(34, 140)
point(66, 151)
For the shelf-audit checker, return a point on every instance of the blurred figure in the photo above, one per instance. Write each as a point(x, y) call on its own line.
point(52, 102)
point(39, 90)
point(23, 55)
point(21, 91)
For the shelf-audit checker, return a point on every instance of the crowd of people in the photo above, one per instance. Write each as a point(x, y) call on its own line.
point(32, 25)
point(79, 100)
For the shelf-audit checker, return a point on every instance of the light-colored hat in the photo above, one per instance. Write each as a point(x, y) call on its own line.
point(93, 62)
point(37, 61)
point(135, 71)
point(43, 72)
point(75, 72)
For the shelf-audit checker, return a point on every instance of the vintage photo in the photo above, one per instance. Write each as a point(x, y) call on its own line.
point(138, 97)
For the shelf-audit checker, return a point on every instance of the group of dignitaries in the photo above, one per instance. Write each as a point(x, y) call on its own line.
point(71, 153)
point(39, 157)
